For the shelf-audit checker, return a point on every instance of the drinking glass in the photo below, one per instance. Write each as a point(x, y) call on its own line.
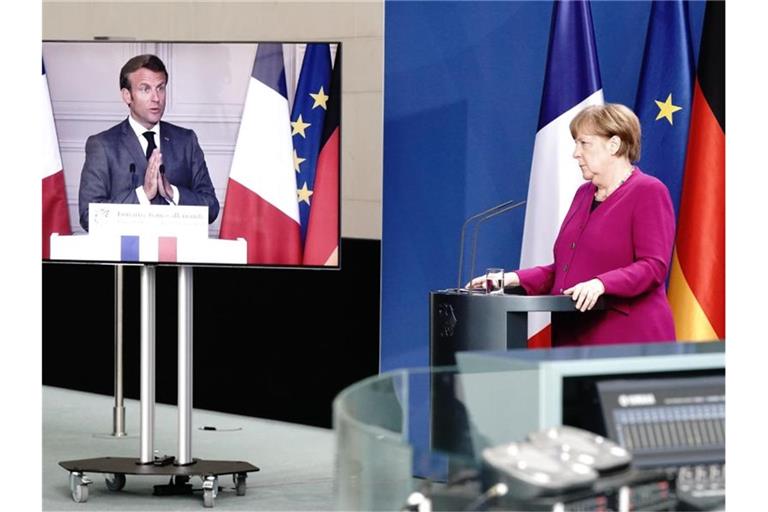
point(494, 281)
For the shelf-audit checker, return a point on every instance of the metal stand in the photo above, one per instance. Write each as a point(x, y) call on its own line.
point(185, 367)
point(147, 364)
point(118, 410)
point(182, 467)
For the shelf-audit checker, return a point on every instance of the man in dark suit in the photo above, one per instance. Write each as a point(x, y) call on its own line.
point(143, 160)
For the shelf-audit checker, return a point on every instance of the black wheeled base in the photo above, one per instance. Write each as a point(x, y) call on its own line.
point(116, 468)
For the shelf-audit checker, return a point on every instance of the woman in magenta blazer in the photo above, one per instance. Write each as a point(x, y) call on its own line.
point(616, 240)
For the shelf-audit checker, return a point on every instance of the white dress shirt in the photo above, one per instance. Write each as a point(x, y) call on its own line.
point(139, 130)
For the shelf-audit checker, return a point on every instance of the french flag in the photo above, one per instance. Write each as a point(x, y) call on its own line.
point(572, 82)
point(55, 211)
point(260, 203)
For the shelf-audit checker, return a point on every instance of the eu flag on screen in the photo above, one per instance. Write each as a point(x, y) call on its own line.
point(307, 119)
point(664, 95)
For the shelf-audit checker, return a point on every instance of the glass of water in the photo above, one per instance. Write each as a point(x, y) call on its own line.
point(494, 281)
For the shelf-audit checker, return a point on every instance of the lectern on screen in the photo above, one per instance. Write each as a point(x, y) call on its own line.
point(253, 172)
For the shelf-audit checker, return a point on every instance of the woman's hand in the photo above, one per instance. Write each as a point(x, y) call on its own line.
point(586, 294)
point(510, 279)
point(476, 283)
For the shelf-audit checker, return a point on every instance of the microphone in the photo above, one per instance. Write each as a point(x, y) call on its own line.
point(132, 170)
point(482, 216)
point(483, 219)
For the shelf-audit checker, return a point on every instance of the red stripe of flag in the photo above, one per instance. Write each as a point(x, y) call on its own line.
point(323, 229)
point(542, 339)
point(55, 212)
point(274, 239)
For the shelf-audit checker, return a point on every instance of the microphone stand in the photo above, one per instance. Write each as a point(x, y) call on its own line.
point(491, 212)
point(487, 216)
point(132, 170)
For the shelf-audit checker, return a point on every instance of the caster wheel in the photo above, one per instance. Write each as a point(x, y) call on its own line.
point(80, 493)
point(208, 498)
point(210, 491)
point(115, 482)
point(78, 485)
point(239, 483)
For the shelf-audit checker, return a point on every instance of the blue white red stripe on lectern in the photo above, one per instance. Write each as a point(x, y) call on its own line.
point(129, 248)
point(166, 249)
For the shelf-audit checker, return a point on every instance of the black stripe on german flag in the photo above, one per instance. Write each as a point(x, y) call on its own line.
point(333, 114)
point(711, 69)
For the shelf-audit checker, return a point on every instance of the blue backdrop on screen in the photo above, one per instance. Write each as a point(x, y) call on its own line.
point(462, 89)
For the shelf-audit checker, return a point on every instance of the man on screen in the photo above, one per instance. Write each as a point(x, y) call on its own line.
point(143, 160)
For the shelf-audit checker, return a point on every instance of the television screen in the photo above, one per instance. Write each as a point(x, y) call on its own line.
point(192, 153)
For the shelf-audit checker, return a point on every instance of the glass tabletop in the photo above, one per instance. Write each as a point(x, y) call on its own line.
point(400, 431)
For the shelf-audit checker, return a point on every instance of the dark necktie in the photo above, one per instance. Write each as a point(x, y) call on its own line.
point(150, 136)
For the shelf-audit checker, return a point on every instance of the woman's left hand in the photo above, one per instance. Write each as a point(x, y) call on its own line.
point(586, 294)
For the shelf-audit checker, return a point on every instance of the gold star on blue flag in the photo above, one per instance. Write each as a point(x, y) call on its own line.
point(666, 109)
point(304, 194)
point(299, 126)
point(320, 99)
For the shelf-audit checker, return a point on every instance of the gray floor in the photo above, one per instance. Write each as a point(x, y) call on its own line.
point(296, 461)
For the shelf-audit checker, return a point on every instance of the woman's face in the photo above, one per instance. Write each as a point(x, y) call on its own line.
point(594, 153)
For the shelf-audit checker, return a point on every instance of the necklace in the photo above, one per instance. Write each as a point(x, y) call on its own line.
point(611, 190)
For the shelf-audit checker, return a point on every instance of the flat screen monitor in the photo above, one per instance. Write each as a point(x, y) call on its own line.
point(241, 165)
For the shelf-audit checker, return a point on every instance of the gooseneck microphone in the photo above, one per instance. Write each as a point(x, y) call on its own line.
point(481, 217)
point(132, 170)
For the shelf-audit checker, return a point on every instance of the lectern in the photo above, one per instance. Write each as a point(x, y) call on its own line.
point(461, 321)
point(466, 321)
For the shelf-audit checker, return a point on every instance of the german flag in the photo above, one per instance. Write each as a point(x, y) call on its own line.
point(697, 281)
point(322, 244)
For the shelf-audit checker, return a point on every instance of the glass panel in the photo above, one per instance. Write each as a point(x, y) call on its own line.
point(423, 430)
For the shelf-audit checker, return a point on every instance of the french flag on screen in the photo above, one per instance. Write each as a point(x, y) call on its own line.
point(260, 203)
point(55, 211)
point(572, 82)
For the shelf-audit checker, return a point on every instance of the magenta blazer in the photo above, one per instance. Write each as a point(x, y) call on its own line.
point(626, 242)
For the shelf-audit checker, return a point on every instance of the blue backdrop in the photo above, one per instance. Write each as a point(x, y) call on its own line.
point(462, 88)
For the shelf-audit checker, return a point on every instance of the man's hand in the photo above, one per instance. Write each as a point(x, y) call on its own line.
point(152, 174)
point(586, 294)
point(164, 187)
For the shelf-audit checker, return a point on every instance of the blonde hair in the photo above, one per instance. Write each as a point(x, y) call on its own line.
point(609, 120)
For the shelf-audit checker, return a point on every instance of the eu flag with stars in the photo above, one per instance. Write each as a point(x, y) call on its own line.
point(664, 95)
point(307, 119)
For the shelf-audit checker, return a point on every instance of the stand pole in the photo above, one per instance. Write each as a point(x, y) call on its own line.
point(148, 285)
point(118, 411)
point(185, 366)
